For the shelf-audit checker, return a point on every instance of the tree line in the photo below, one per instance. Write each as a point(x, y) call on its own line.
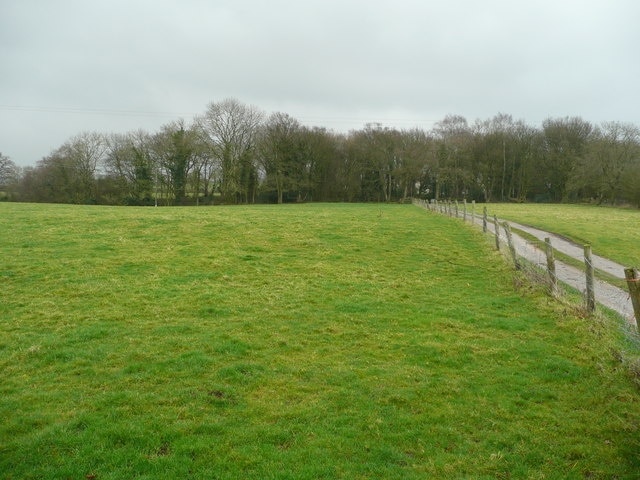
point(236, 154)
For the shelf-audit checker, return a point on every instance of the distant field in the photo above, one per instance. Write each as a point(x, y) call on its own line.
point(293, 342)
point(612, 232)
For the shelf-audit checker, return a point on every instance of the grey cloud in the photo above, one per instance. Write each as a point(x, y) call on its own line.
point(332, 63)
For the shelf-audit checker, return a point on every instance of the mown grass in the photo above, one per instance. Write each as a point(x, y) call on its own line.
point(612, 232)
point(307, 341)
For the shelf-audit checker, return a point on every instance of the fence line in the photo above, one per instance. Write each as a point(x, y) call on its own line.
point(551, 267)
point(542, 260)
point(590, 293)
point(633, 283)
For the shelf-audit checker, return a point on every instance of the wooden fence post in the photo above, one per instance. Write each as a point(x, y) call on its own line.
point(633, 282)
point(456, 208)
point(496, 226)
point(464, 211)
point(473, 212)
point(512, 248)
point(551, 267)
point(591, 298)
point(484, 220)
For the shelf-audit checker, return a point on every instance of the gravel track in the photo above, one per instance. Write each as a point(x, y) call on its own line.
point(606, 294)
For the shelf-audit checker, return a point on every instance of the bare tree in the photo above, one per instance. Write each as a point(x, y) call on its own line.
point(9, 174)
point(74, 167)
point(231, 130)
point(326, 171)
point(375, 150)
point(502, 153)
point(202, 178)
point(610, 158)
point(8, 170)
point(413, 156)
point(129, 161)
point(454, 141)
point(279, 154)
point(174, 153)
point(565, 143)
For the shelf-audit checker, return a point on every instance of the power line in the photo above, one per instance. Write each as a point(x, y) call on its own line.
point(92, 111)
point(147, 113)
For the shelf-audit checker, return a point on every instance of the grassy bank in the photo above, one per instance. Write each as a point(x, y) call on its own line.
point(308, 341)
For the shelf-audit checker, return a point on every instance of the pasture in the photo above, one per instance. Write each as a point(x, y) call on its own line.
point(294, 342)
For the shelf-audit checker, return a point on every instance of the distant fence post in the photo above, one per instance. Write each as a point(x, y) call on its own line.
point(551, 267)
point(633, 282)
point(484, 220)
point(512, 248)
point(473, 212)
point(456, 208)
point(464, 211)
point(497, 230)
point(591, 297)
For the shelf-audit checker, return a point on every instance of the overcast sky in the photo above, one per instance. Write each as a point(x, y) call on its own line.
point(68, 66)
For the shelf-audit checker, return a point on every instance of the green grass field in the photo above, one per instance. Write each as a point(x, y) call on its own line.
point(612, 232)
point(294, 342)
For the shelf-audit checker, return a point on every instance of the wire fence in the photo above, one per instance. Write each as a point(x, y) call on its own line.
point(533, 251)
